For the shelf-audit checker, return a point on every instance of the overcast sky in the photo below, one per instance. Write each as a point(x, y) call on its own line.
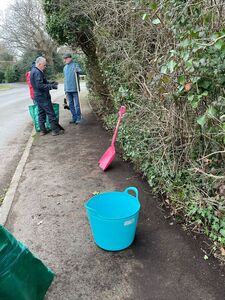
point(4, 4)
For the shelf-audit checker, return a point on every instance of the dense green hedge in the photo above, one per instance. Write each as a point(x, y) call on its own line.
point(167, 66)
point(163, 60)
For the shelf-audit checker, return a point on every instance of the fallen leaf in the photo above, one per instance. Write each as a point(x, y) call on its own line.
point(95, 193)
point(167, 201)
point(188, 86)
point(222, 250)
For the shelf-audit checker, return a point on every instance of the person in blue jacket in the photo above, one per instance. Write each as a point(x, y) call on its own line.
point(42, 97)
point(71, 87)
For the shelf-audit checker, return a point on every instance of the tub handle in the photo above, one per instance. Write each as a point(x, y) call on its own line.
point(132, 188)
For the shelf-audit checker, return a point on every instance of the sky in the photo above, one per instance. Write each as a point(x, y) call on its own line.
point(4, 4)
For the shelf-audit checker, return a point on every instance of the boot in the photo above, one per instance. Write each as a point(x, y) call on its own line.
point(60, 127)
point(43, 130)
point(57, 132)
point(43, 133)
point(57, 129)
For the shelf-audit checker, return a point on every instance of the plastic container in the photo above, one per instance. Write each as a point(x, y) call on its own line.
point(113, 218)
point(33, 109)
point(22, 275)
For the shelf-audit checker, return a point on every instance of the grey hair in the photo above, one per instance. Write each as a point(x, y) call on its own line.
point(40, 60)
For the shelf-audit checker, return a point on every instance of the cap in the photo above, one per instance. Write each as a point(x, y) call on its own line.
point(67, 55)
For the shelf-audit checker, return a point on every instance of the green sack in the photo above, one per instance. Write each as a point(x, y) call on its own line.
point(33, 109)
point(22, 275)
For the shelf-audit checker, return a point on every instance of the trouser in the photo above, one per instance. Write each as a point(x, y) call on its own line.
point(45, 108)
point(74, 105)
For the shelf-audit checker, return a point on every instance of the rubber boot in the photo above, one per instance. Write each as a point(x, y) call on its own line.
point(56, 129)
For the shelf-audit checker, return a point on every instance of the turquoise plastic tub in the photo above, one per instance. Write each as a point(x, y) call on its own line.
point(113, 218)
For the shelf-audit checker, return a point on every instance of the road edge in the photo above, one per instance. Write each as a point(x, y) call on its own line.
point(10, 195)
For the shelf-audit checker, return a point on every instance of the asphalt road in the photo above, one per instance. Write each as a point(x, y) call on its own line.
point(15, 128)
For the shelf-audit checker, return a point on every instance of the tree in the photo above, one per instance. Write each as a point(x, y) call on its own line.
point(69, 23)
point(25, 62)
point(6, 60)
point(12, 73)
point(24, 29)
point(2, 76)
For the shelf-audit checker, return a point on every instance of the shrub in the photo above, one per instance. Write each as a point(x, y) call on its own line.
point(2, 77)
point(12, 74)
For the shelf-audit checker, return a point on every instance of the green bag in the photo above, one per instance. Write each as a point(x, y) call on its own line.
point(22, 275)
point(33, 109)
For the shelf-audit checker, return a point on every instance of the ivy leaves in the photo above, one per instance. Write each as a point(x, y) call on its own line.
point(198, 69)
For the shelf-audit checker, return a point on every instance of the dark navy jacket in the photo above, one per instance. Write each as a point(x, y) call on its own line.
point(40, 85)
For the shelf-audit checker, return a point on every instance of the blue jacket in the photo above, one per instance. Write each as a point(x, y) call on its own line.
point(70, 84)
point(40, 85)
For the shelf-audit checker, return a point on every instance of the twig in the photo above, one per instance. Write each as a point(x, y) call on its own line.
point(211, 154)
point(207, 174)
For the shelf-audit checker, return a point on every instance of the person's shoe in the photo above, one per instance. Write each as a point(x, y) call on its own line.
point(44, 132)
point(60, 127)
point(73, 122)
point(57, 132)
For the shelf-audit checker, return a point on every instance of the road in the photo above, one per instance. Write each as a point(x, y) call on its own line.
point(15, 128)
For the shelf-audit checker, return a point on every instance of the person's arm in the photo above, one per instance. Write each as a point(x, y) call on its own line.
point(78, 70)
point(64, 73)
point(41, 85)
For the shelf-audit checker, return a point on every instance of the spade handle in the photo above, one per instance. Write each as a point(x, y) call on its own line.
point(121, 113)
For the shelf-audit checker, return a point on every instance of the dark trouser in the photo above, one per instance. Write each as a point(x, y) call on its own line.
point(46, 109)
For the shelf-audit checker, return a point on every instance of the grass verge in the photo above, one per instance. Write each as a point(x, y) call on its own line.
point(5, 87)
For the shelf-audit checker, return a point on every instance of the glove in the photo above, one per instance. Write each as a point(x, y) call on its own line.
point(54, 86)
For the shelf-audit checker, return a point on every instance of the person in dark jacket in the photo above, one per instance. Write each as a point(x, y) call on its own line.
point(42, 97)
